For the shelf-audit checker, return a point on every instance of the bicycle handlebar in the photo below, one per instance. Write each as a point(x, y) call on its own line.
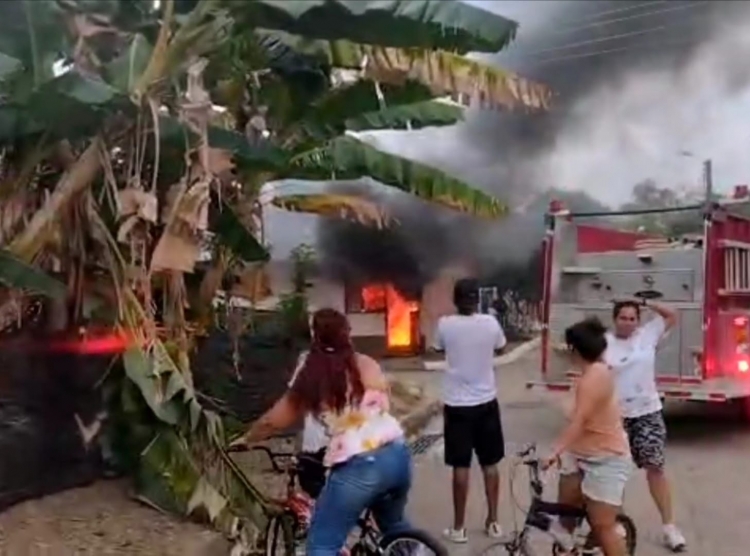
point(527, 451)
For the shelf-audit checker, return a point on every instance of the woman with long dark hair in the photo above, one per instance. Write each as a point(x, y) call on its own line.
point(366, 454)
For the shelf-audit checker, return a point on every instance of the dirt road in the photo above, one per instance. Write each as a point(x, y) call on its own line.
point(708, 461)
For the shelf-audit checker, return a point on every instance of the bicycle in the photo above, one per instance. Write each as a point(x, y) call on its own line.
point(286, 533)
point(542, 516)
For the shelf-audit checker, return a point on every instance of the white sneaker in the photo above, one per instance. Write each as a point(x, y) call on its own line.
point(458, 536)
point(673, 538)
point(493, 530)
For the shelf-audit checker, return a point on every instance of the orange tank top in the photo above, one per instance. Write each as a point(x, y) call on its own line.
point(603, 433)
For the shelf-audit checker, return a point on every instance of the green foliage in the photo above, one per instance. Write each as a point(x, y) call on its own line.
point(648, 195)
point(349, 158)
point(16, 274)
point(303, 259)
point(448, 24)
point(293, 307)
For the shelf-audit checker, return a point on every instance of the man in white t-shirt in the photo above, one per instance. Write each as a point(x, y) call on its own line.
point(471, 411)
point(631, 353)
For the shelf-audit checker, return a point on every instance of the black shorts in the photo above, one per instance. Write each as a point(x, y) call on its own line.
point(473, 429)
point(647, 435)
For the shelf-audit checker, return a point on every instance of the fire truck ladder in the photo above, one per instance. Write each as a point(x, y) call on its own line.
point(736, 267)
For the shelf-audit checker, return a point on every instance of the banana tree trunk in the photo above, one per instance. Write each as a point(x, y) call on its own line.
point(80, 175)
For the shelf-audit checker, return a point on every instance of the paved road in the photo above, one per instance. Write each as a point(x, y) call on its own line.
point(708, 461)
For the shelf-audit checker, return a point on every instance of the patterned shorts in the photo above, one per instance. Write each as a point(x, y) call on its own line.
point(648, 437)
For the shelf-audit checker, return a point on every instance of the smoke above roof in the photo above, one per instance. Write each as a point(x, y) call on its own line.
point(638, 83)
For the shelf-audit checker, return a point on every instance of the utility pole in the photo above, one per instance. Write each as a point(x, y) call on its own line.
point(708, 182)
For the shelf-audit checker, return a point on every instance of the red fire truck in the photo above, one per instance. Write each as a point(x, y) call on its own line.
point(706, 278)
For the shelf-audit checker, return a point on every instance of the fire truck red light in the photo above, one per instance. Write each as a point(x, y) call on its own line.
point(740, 321)
point(743, 366)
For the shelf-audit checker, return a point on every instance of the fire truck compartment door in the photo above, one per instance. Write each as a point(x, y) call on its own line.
point(674, 285)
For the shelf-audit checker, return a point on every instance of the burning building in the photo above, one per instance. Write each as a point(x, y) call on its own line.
point(385, 320)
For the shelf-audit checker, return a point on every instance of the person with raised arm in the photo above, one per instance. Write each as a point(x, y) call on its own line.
point(632, 356)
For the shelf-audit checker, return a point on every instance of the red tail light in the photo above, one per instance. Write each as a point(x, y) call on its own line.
point(742, 343)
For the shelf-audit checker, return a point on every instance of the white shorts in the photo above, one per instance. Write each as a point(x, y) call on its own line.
point(603, 478)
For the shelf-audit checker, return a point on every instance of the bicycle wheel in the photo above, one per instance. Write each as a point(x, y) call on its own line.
point(630, 534)
point(411, 543)
point(279, 535)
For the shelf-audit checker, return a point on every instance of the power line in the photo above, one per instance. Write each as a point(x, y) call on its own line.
point(628, 18)
point(610, 37)
point(683, 40)
point(627, 9)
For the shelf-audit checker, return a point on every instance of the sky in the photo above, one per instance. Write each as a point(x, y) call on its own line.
point(634, 122)
point(633, 126)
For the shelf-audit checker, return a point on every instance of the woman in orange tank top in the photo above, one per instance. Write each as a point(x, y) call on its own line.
point(593, 449)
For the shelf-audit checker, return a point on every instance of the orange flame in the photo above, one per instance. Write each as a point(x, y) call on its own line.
point(373, 298)
point(400, 333)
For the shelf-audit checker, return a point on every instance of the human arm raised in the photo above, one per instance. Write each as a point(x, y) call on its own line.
point(667, 313)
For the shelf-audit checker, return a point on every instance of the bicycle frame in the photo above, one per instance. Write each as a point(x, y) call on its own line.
point(541, 514)
point(299, 506)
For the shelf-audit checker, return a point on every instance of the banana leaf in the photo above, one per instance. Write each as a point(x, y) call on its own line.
point(357, 107)
point(263, 156)
point(409, 116)
point(444, 73)
point(347, 207)
point(68, 107)
point(8, 66)
point(448, 24)
point(33, 32)
point(231, 233)
point(124, 71)
point(347, 158)
point(15, 273)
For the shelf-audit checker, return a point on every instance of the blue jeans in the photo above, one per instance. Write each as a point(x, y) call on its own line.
point(378, 480)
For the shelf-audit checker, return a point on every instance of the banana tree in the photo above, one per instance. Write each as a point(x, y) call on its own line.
point(307, 84)
point(115, 164)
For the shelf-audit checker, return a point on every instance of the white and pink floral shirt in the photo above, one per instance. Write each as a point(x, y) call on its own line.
point(360, 429)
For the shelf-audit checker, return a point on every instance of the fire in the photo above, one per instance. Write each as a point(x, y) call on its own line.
point(399, 314)
point(399, 319)
point(373, 298)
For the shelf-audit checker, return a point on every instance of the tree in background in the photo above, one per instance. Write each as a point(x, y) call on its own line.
point(648, 195)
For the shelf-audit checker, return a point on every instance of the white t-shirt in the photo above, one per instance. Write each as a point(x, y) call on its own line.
point(314, 437)
point(469, 342)
point(633, 360)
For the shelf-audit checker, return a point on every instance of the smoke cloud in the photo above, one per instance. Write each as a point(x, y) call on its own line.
point(638, 83)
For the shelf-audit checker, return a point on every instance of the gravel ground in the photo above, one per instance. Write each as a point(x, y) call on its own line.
point(102, 519)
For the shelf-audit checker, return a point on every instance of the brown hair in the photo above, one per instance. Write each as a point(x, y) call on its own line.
point(620, 305)
point(329, 377)
point(587, 338)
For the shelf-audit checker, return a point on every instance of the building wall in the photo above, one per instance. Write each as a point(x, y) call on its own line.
point(369, 329)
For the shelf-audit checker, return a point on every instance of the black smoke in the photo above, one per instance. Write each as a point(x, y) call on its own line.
point(408, 252)
point(589, 43)
point(575, 47)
